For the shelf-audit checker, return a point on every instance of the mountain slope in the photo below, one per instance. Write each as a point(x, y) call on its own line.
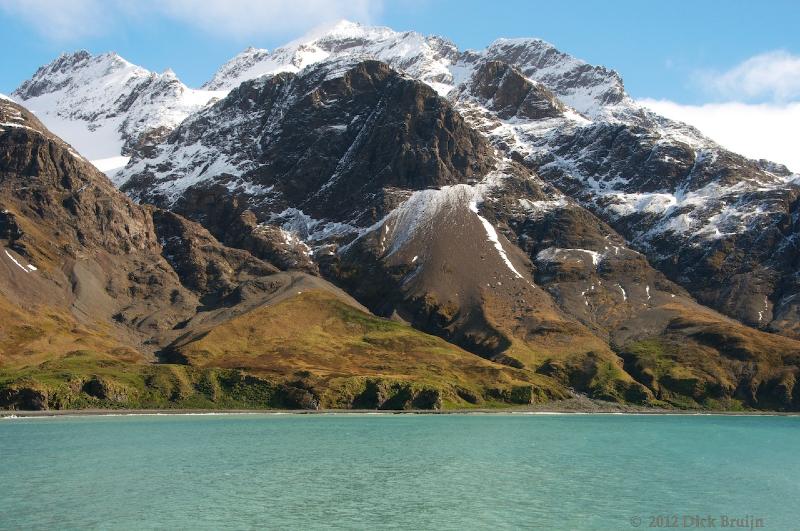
point(696, 210)
point(97, 292)
point(715, 222)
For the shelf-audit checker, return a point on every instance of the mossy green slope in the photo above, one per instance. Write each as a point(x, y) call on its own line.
point(310, 351)
point(340, 353)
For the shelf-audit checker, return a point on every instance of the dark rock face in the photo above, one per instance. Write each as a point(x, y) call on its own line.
point(380, 394)
point(370, 130)
point(24, 399)
point(228, 216)
point(505, 91)
point(62, 185)
point(100, 388)
point(202, 264)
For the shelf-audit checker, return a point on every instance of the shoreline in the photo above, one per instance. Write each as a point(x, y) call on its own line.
point(582, 406)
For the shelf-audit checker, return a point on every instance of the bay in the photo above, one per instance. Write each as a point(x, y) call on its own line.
point(492, 471)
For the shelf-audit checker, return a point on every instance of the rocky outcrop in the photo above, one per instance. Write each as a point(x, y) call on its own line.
point(505, 91)
point(201, 262)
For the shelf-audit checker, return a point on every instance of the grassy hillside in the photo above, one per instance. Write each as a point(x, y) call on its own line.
point(309, 351)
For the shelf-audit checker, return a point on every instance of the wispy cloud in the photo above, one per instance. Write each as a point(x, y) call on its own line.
point(772, 76)
point(756, 109)
point(767, 130)
point(255, 17)
point(71, 20)
point(61, 20)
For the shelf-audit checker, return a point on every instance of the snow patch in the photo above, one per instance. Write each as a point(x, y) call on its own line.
point(551, 254)
point(491, 234)
point(309, 229)
point(111, 165)
point(17, 262)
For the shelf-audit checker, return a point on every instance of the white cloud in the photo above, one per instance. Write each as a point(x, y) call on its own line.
point(70, 20)
point(769, 131)
point(61, 20)
point(771, 76)
point(250, 18)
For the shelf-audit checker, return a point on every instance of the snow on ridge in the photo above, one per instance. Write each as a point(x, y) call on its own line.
point(582, 86)
point(426, 58)
point(241, 67)
point(79, 96)
point(4, 97)
point(98, 103)
point(431, 59)
point(308, 229)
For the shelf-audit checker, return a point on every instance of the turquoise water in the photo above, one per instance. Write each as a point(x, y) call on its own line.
point(396, 471)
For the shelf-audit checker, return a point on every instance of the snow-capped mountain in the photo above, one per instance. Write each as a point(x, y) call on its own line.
point(514, 201)
point(104, 106)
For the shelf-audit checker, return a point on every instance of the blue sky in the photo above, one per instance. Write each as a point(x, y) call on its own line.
point(703, 60)
point(658, 47)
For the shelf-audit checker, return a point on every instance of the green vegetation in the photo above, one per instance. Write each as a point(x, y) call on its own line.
point(314, 350)
point(310, 351)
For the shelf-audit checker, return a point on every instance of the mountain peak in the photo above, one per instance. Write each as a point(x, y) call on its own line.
point(585, 87)
point(73, 70)
point(433, 60)
point(341, 29)
point(113, 100)
point(74, 57)
point(345, 27)
point(424, 57)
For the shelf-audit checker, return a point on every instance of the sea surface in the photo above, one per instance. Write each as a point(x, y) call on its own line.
point(493, 471)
